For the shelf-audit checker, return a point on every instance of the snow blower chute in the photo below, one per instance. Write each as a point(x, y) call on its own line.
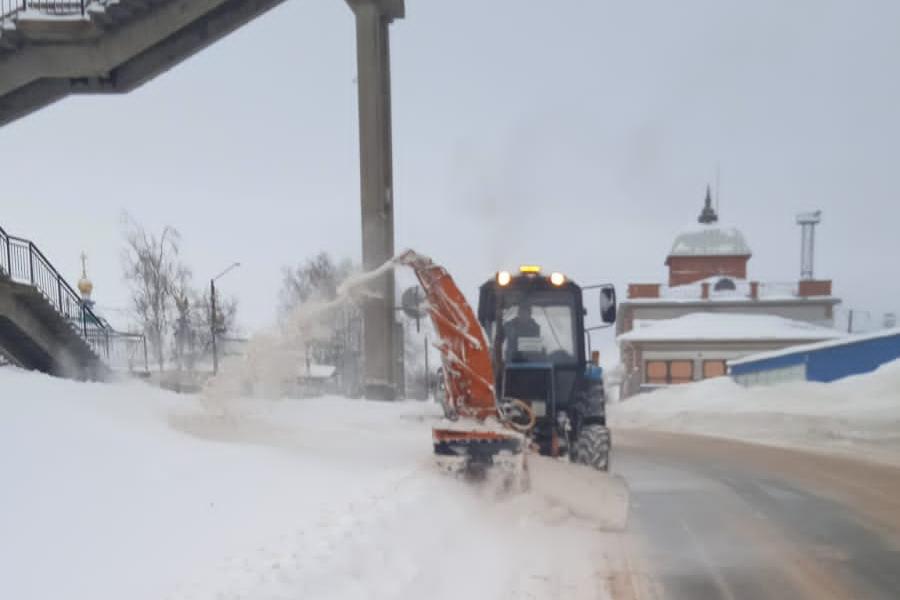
point(550, 398)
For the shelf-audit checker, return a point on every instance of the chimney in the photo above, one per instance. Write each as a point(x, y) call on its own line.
point(754, 290)
point(807, 222)
point(643, 290)
point(704, 294)
point(814, 287)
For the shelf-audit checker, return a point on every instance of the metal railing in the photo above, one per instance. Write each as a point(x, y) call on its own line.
point(9, 9)
point(22, 262)
point(127, 352)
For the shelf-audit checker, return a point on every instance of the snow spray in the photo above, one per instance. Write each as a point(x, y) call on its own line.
point(271, 362)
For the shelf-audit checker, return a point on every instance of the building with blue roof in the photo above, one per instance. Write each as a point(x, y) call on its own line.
point(822, 361)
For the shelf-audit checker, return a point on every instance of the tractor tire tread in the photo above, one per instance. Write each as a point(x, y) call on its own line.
point(592, 447)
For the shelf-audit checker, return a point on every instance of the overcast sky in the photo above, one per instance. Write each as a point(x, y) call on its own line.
point(576, 134)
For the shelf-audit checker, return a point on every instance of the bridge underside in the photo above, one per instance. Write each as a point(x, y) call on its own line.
point(114, 51)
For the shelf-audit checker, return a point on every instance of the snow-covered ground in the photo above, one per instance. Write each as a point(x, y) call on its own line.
point(858, 415)
point(115, 491)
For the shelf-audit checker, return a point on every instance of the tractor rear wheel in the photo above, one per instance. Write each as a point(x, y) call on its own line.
point(592, 447)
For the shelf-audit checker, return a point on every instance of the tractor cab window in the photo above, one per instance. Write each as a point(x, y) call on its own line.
point(538, 328)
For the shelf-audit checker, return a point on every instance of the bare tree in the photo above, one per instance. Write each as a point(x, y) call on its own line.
point(336, 340)
point(153, 269)
point(315, 279)
point(184, 346)
point(192, 329)
point(226, 318)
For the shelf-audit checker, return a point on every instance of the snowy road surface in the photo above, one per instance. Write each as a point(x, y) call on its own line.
point(125, 491)
point(718, 519)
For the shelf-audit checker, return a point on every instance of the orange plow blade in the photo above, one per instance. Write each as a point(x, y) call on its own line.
point(466, 357)
point(476, 436)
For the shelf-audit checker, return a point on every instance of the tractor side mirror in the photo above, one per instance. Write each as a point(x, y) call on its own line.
point(608, 304)
point(487, 304)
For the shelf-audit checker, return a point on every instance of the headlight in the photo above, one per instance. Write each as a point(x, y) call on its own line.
point(557, 278)
point(503, 278)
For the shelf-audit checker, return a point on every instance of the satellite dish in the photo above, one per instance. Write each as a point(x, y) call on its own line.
point(413, 303)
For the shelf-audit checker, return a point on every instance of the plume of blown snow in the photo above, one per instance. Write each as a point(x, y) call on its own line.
point(273, 356)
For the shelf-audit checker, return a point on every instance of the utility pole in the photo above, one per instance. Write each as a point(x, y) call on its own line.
point(380, 342)
point(213, 316)
point(212, 324)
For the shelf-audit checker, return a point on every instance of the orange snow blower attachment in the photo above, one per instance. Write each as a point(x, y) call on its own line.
point(477, 433)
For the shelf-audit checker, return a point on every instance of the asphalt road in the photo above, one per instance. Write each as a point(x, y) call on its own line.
point(719, 519)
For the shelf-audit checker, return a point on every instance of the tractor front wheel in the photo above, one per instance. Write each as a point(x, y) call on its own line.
point(592, 447)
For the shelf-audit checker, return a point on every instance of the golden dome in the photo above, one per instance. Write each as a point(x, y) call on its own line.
point(85, 286)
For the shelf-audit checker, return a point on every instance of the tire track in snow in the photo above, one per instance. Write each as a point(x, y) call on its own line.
point(411, 532)
point(423, 534)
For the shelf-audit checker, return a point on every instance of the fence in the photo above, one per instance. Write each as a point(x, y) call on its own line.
point(21, 261)
point(10, 9)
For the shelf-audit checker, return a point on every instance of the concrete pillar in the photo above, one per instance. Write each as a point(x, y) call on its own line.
point(377, 189)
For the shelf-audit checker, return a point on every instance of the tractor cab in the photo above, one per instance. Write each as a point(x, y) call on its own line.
point(535, 325)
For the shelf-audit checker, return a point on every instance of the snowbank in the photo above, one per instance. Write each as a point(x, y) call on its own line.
point(127, 491)
point(857, 415)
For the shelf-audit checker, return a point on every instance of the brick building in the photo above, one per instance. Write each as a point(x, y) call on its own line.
point(662, 339)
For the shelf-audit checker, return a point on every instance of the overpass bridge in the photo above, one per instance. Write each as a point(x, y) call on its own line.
point(45, 326)
point(50, 49)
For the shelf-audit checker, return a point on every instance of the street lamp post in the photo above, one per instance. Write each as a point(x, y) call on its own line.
point(213, 316)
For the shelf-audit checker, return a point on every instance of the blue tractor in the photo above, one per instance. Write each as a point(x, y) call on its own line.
point(540, 346)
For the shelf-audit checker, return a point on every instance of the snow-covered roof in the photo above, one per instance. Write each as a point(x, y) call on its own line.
point(710, 240)
point(848, 339)
point(726, 327)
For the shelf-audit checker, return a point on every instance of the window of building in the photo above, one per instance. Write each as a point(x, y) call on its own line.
point(714, 368)
point(657, 372)
point(664, 372)
point(681, 371)
point(725, 285)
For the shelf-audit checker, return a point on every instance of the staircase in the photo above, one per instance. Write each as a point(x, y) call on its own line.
point(44, 325)
point(52, 48)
